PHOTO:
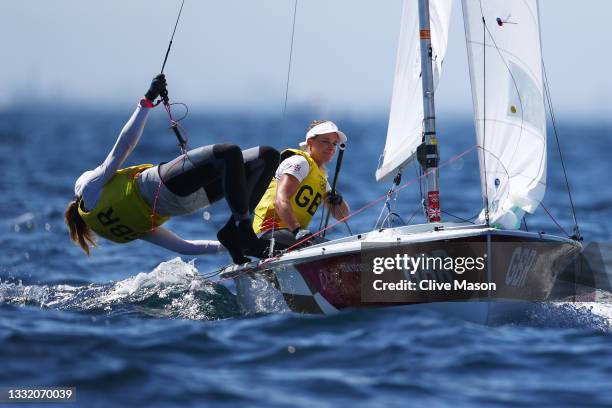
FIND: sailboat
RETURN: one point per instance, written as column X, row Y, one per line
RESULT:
column 510, row 266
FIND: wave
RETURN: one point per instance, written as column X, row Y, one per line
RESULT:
column 593, row 315
column 174, row 289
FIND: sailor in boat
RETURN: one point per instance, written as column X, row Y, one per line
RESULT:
column 124, row 204
column 298, row 188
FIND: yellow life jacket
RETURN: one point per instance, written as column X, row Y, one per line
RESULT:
column 121, row 215
column 304, row 202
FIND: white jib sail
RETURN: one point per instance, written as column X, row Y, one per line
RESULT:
column 507, row 89
column 406, row 116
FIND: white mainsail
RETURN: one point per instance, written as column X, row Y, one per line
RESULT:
column 405, row 129
column 505, row 62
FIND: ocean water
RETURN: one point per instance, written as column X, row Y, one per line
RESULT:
column 135, row 325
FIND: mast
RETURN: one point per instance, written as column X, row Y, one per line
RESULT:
column 427, row 152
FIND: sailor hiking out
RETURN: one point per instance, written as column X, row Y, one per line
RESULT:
column 124, row 204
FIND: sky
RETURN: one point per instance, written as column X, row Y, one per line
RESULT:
column 232, row 55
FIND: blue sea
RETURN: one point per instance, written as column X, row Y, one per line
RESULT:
column 136, row 325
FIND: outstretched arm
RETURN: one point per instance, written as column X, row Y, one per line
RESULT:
column 169, row 240
column 90, row 184
column 126, row 142
column 131, row 132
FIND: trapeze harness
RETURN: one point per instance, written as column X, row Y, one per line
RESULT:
column 121, row 215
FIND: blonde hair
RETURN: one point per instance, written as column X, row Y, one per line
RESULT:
column 312, row 124
column 80, row 233
column 307, row 147
column 315, row 123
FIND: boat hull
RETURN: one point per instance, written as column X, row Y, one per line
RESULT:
column 522, row 267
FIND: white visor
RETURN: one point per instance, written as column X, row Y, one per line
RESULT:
column 322, row 129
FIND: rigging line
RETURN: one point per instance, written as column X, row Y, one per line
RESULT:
column 554, row 220
column 158, row 191
column 272, row 240
column 386, row 205
column 322, row 217
column 484, row 113
column 290, row 58
column 381, row 198
column 554, row 125
column 459, row 218
column 365, row 207
column 382, row 210
column 516, row 87
column 172, row 37
column 272, row 258
column 484, row 44
column 514, row 82
column 176, row 127
column 413, row 214
column 390, row 219
column 473, row 217
column 186, row 110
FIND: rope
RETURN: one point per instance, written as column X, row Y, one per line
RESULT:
column 391, row 195
column 457, row 217
column 514, row 82
column 484, row 112
column 172, row 37
column 554, row 124
column 554, row 220
column 162, row 181
column 175, row 125
column 552, row 116
column 183, row 147
column 414, row 214
column 360, row 210
column 383, row 197
column 290, row 58
column 272, row 239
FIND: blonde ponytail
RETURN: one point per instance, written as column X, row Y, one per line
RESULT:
column 80, row 233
